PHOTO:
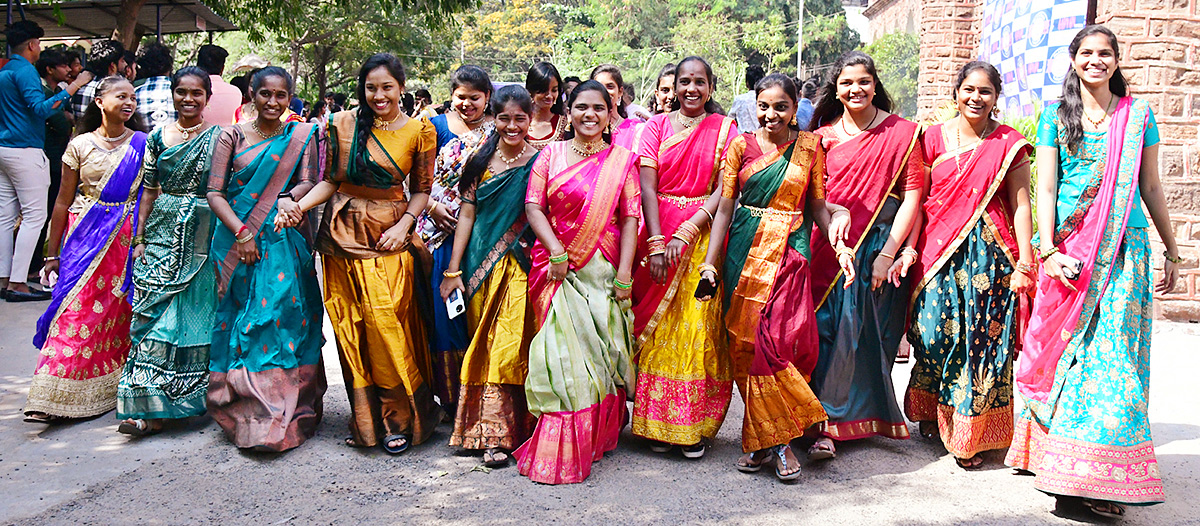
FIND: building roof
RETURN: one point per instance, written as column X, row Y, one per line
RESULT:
column 97, row 18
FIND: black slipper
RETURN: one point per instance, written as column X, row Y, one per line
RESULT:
column 404, row 442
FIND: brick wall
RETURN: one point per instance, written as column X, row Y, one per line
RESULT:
column 893, row 16
column 949, row 35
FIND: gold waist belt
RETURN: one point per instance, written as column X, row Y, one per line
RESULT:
column 683, row 202
column 769, row 212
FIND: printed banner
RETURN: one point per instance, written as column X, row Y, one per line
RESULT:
column 1027, row 41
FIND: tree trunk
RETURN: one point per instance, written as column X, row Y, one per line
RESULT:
column 295, row 59
column 322, row 54
column 126, row 31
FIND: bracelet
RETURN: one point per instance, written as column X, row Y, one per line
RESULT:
column 687, row 232
column 241, row 240
column 1176, row 260
column 409, row 214
column 844, row 250
column 711, row 217
column 910, row 251
column 886, row 255
column 1046, row 255
column 448, row 274
column 238, row 235
column 137, row 240
column 1025, row 268
column 657, row 245
column 285, row 194
column 706, row 267
column 559, row 258
column 50, row 258
column 622, row 284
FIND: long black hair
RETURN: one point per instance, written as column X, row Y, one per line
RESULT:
column 652, row 97
column 365, row 118
column 710, row 105
column 538, row 81
column 783, row 82
column 829, row 106
column 477, row 164
column 614, row 72
column 587, row 85
column 473, row 77
column 1070, row 107
column 192, row 71
column 93, row 115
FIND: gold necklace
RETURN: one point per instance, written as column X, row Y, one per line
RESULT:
column 1103, row 117
column 508, row 162
column 588, row 149
column 957, row 166
column 187, row 132
column 381, row 124
column 688, row 122
column 254, row 126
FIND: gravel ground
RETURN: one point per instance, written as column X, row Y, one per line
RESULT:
column 87, row 473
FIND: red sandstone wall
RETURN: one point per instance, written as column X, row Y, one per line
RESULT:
column 949, row 35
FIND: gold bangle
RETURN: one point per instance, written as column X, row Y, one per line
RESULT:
column 706, row 267
column 910, row 251
column 886, row 255
column 448, row 274
column 559, row 258
column 1025, row 268
column 246, row 239
column 710, row 215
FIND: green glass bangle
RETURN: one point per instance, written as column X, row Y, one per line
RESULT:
column 622, row 286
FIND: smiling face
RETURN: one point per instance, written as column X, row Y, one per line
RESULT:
column 469, row 102
column 692, row 88
column 665, row 92
column 976, row 96
column 117, row 102
column 589, row 115
column 545, row 99
column 855, row 87
column 512, row 124
column 271, row 99
column 1096, row 60
column 610, row 84
column 383, row 93
column 190, row 97
column 775, row 110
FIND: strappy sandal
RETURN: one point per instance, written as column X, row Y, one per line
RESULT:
column 822, row 449
column 490, row 458
column 757, row 458
column 1113, row 511
column 970, row 464
column 781, row 464
column 138, row 427
column 396, row 450
column 41, row 418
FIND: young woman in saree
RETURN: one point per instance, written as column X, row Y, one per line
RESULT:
column 490, row 265
column 663, row 96
column 775, row 175
column 266, row 377
column 544, row 83
column 175, row 290
column 84, row 333
column 583, row 205
column 874, row 168
column 460, row 133
column 684, row 383
column 623, row 128
column 972, row 260
column 378, row 178
column 1084, row 371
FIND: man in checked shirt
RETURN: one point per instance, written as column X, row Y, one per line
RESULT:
column 154, row 99
column 106, row 58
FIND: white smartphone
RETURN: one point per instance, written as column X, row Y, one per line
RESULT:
column 455, row 305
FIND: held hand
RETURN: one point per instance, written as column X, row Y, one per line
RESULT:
column 839, row 227
column 879, row 271
column 248, row 252
column 1054, row 268
column 675, row 249
column 290, row 210
column 1021, row 283
column 50, row 266
column 658, row 268
column 846, row 261
column 899, row 269
column 711, row 278
column 1164, row 285
column 138, row 251
column 397, row 237
column 450, row 285
column 442, row 217
column 558, row 271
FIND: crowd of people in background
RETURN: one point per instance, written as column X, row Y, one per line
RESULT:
column 523, row 262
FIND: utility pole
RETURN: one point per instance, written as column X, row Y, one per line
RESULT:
column 800, row 40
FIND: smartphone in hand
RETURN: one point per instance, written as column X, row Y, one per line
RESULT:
column 705, row 289
column 455, row 305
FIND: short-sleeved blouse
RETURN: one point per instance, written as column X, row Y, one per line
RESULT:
column 92, row 162
column 553, row 160
column 234, row 153
column 1075, row 171
column 746, row 149
column 914, row 171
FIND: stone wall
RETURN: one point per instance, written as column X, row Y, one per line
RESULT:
column 1182, row 303
column 892, row 16
column 949, row 35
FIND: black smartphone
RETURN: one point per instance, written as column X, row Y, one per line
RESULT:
column 705, row 289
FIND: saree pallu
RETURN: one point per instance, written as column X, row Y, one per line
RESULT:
column 84, row 333
column 684, row 380
column 448, row 338
column 772, row 331
column 1084, row 372
column 964, row 326
column 492, row 411
column 175, row 295
column 266, row 376
column 376, row 300
column 861, row 329
column 579, row 360
column 628, row 134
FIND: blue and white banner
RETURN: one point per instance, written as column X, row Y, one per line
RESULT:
column 1027, row 41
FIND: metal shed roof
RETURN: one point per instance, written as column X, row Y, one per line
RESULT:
column 97, row 18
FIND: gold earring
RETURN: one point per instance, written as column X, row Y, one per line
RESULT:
column 794, row 121
column 995, row 111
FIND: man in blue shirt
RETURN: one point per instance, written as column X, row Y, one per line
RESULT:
column 24, row 169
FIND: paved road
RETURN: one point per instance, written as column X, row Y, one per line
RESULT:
column 87, row 473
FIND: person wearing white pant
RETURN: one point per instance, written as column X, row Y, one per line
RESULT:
column 24, row 170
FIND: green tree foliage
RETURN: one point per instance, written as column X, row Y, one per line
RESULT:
column 826, row 33
column 896, row 58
